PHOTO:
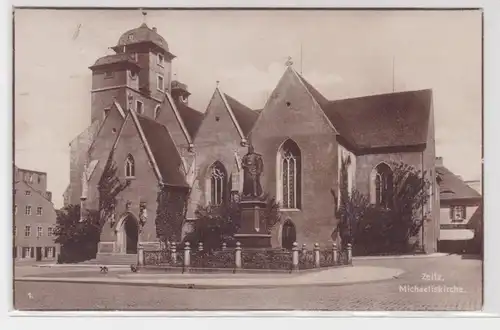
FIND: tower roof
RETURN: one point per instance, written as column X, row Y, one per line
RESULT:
column 143, row 34
column 123, row 58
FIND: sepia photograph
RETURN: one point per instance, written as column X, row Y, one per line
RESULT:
column 247, row 160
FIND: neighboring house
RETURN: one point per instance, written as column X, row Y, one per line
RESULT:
column 142, row 120
column 459, row 203
column 34, row 217
column 475, row 184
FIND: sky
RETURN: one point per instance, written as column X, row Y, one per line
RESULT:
column 342, row 53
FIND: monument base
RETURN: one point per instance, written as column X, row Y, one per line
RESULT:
column 258, row 241
column 253, row 230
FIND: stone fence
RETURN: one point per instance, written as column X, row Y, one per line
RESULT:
column 238, row 258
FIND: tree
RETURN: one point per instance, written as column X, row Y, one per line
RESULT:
column 170, row 213
column 78, row 238
column 374, row 229
column 350, row 207
column 216, row 224
column 410, row 194
column 272, row 213
column 110, row 186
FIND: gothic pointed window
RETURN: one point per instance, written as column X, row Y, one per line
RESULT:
column 289, row 179
column 129, row 167
column 218, row 179
column 383, row 185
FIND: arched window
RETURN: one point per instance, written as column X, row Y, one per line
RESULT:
column 289, row 175
column 218, row 179
column 157, row 111
column 129, row 167
column 383, row 185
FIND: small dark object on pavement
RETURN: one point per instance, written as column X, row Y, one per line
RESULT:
column 104, row 269
column 133, row 268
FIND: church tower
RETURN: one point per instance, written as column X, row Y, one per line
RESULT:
column 137, row 76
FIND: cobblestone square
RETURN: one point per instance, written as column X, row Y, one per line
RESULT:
column 459, row 277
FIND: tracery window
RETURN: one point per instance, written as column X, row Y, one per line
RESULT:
column 289, row 175
column 383, row 185
column 129, row 167
column 218, row 179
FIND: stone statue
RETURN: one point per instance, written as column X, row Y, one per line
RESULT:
column 253, row 166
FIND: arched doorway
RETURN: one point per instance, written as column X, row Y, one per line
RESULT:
column 127, row 235
column 288, row 234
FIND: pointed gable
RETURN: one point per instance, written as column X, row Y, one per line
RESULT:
column 219, row 124
column 294, row 102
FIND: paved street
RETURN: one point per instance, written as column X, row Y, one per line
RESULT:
column 450, row 273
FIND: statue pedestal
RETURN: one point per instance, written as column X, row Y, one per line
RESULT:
column 253, row 230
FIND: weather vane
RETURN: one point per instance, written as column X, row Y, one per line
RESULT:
column 289, row 61
column 144, row 14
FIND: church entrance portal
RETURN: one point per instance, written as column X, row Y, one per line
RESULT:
column 288, row 235
column 131, row 231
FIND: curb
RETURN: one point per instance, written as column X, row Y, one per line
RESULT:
column 82, row 266
column 412, row 256
column 198, row 286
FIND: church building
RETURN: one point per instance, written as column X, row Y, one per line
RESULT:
column 141, row 118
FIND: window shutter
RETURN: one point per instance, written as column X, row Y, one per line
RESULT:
column 465, row 212
column 54, row 252
column 32, row 252
column 451, row 212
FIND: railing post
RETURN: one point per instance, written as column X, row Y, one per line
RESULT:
column 224, row 246
column 173, row 248
column 295, row 257
column 304, row 248
column 237, row 255
column 140, row 256
column 349, row 253
column 335, row 254
column 187, row 256
column 316, row 256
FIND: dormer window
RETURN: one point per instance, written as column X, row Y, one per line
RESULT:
column 133, row 74
column 130, row 37
column 160, row 59
column 139, row 107
column 160, row 85
column 129, row 167
column 135, row 56
column 108, row 74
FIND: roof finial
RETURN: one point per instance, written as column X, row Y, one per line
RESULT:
column 289, row 61
column 217, row 83
column 144, row 14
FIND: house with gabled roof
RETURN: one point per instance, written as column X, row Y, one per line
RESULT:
column 460, row 211
column 142, row 119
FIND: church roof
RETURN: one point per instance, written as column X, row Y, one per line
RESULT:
column 385, row 120
column 143, row 34
column 192, row 118
column 115, row 59
column 245, row 116
column 164, row 151
column 452, row 188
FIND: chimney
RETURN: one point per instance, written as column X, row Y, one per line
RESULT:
column 439, row 161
